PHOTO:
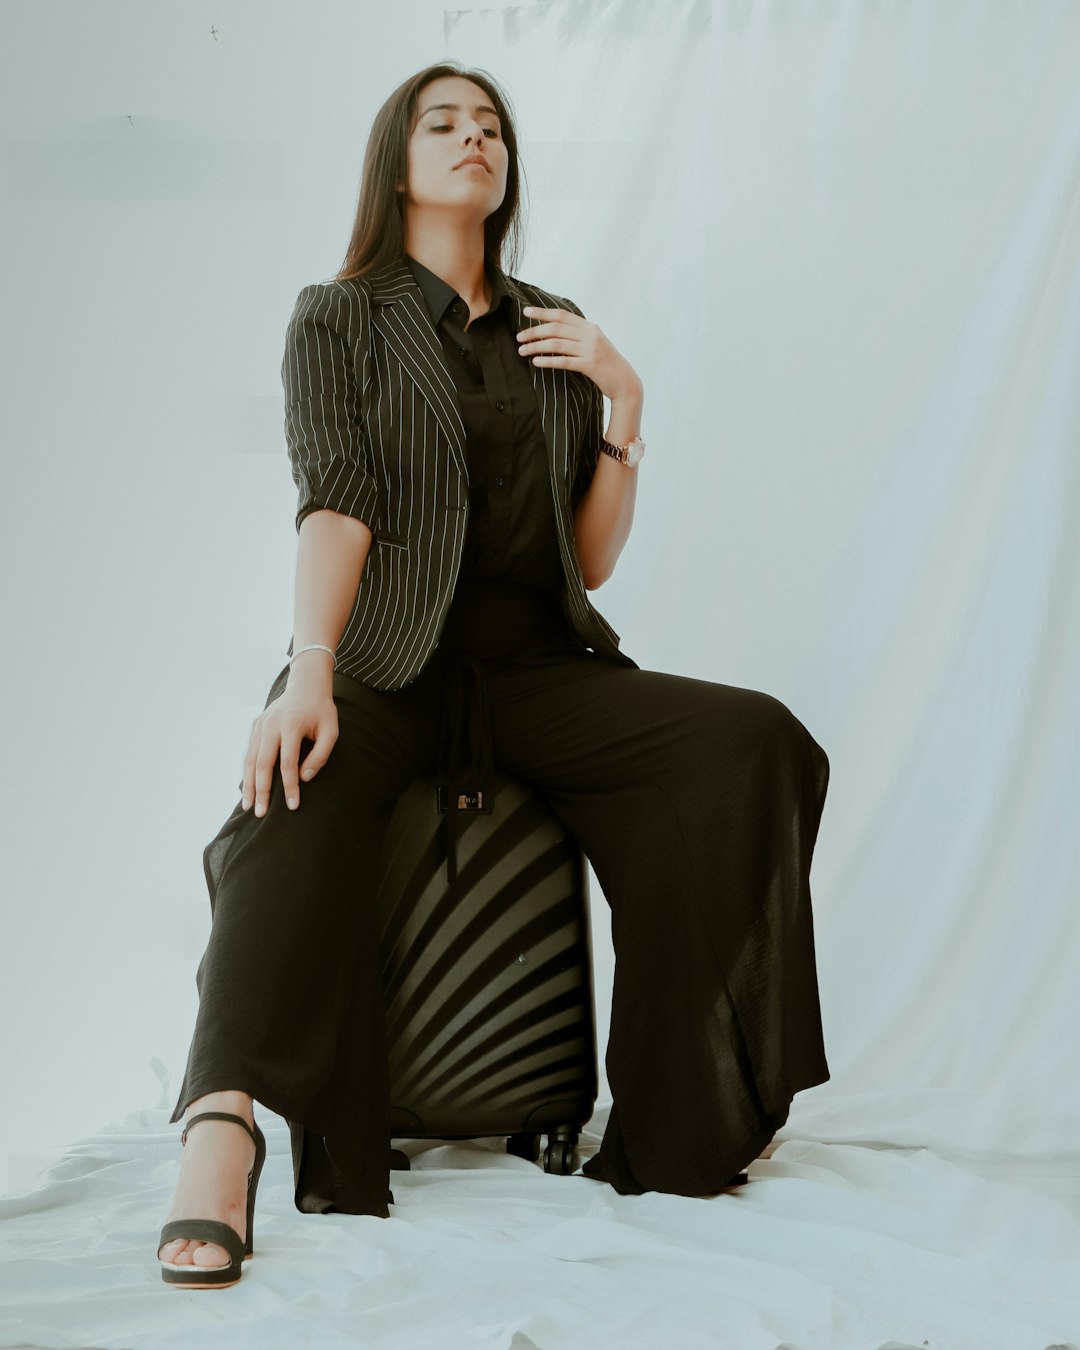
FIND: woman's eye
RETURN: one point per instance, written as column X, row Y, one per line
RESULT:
column 488, row 131
column 441, row 128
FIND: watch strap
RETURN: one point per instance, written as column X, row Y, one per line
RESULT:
column 622, row 452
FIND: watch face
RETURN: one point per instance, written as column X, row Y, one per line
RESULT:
column 634, row 451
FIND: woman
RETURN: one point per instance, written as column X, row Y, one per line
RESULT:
column 459, row 495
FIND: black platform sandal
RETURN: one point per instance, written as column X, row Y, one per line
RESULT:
column 213, row 1230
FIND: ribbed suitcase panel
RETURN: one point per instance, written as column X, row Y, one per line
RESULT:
column 487, row 981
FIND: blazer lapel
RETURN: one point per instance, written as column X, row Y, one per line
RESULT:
column 399, row 313
column 550, row 395
column 550, row 386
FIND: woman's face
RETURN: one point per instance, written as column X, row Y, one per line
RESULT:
column 456, row 121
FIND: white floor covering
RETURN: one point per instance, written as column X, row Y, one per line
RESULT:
column 831, row 1246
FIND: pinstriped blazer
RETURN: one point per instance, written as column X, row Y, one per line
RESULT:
column 374, row 430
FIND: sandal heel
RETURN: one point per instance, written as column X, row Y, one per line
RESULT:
column 253, row 1186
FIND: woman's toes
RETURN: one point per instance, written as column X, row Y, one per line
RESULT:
column 209, row 1254
column 191, row 1252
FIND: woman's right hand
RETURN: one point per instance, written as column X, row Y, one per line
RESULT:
column 300, row 710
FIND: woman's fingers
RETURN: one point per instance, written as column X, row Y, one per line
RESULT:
column 546, row 333
column 553, row 347
column 563, row 340
column 265, row 762
column 571, row 342
column 326, row 734
column 277, row 734
column 290, row 754
column 542, row 346
column 539, row 312
column 551, row 323
column 247, row 790
column 553, row 329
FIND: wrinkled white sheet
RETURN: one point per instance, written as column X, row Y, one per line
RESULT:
column 829, row 1247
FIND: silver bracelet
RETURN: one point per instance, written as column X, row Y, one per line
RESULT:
column 312, row 647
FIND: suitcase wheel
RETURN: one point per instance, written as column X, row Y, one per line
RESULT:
column 559, row 1156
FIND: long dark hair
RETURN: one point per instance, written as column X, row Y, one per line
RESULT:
column 378, row 233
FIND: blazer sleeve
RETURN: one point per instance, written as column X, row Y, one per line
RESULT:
column 327, row 444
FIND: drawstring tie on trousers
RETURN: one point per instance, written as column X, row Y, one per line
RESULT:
column 466, row 760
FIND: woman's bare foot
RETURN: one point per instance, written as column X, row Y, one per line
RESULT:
column 214, row 1167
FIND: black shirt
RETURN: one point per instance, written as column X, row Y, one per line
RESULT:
column 511, row 574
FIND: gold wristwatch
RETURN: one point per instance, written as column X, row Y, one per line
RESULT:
column 630, row 455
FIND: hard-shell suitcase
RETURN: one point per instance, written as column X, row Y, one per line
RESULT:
column 487, row 974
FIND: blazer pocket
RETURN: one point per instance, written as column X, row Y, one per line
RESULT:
column 394, row 540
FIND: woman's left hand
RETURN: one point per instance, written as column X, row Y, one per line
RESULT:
column 569, row 342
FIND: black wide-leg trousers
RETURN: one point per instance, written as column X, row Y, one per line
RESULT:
column 698, row 806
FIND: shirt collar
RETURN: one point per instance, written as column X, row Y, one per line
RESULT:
column 439, row 294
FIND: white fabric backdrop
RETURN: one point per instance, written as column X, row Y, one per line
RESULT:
column 840, row 243
column 842, row 248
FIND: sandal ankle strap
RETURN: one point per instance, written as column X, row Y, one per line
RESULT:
column 218, row 1115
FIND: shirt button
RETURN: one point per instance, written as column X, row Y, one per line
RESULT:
column 499, row 405
column 499, row 482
